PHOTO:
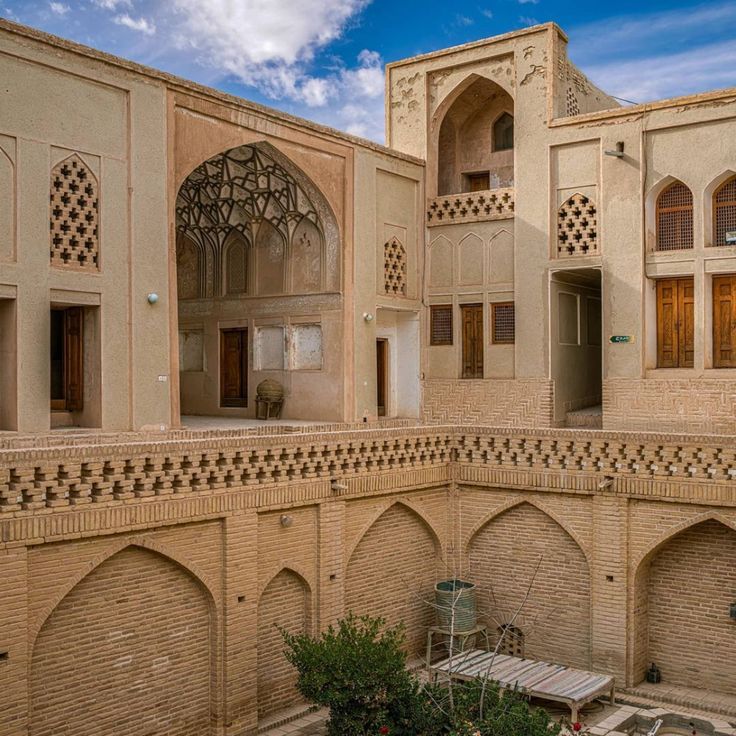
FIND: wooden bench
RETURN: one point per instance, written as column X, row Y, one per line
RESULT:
column 537, row 679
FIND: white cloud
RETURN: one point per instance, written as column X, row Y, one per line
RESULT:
column 59, row 8
column 136, row 24
column 527, row 20
column 113, row 4
column 487, row 13
column 708, row 67
column 528, row 2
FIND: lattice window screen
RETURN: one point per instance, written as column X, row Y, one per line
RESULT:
column 503, row 323
column 675, row 218
column 513, row 640
column 571, row 102
column 440, row 324
column 577, row 227
column 237, row 268
column 724, row 211
column 394, row 268
column 74, row 221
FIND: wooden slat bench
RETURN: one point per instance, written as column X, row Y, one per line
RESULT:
column 531, row 677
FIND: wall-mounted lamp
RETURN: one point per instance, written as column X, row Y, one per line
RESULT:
column 618, row 152
column 152, row 297
column 336, row 487
column 367, row 316
column 286, row 520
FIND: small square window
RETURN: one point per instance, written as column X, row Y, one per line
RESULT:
column 503, row 322
column 440, row 324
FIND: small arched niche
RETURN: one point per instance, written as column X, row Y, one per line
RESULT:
column 475, row 147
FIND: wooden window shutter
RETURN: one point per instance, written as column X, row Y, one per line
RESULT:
column 74, row 357
column 724, row 321
column 675, row 323
column 440, row 324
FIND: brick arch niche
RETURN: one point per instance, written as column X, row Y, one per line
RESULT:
column 682, row 596
column 392, row 572
column 127, row 651
column 503, row 555
column 285, row 603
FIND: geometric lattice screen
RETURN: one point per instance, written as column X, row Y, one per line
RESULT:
column 394, row 268
column 724, row 204
column 74, row 215
column 675, row 218
column 577, row 227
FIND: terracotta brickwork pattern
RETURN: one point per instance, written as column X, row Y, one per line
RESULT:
column 517, row 403
column 695, row 405
column 96, row 669
column 392, row 571
column 692, row 583
column 504, row 556
column 494, row 204
column 284, row 603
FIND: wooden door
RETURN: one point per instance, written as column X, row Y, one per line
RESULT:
column 675, row 323
column 724, row 321
column 472, row 330
column 234, row 367
column 67, row 359
column 381, row 376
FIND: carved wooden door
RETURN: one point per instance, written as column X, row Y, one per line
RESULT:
column 233, row 367
column 675, row 323
column 472, row 327
column 724, row 321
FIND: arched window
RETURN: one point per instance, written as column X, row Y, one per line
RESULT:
column 236, row 265
column 724, row 211
column 503, row 133
column 675, row 217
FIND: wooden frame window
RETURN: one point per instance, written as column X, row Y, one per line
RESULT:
column 675, row 218
column 724, row 321
column 724, row 211
column 234, row 367
column 67, row 359
column 440, row 324
column 503, row 132
column 478, row 182
column 675, row 323
column 503, row 323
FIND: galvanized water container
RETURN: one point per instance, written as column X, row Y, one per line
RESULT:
column 460, row 595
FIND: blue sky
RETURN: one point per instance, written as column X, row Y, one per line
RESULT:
column 323, row 59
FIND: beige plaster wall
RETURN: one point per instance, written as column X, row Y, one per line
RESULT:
column 56, row 104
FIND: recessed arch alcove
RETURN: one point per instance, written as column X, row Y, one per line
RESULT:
column 475, row 138
column 259, row 287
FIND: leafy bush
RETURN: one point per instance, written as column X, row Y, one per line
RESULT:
column 358, row 670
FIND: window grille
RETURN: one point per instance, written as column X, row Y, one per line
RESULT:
column 512, row 643
column 74, row 215
column 237, row 267
column 503, row 318
column 675, row 218
column 503, row 133
column 577, row 227
column 394, row 268
column 724, row 211
column 440, row 324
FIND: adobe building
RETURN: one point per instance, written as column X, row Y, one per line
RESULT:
column 508, row 335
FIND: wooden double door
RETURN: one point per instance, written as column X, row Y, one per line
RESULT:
column 724, row 321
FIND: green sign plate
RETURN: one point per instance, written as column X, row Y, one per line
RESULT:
column 622, row 338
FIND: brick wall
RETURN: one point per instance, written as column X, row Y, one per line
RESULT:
column 695, row 405
column 502, row 558
column 284, row 603
column 498, row 402
column 692, row 583
column 127, row 651
column 392, row 571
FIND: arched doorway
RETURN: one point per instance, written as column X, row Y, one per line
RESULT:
column 258, row 281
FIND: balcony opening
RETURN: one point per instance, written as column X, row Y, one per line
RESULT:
column 576, row 347
column 476, row 141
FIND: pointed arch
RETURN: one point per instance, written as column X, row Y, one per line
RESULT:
column 144, row 543
column 503, row 131
column 721, row 208
column 381, row 510
column 236, row 264
column 291, row 567
column 513, row 503
column 674, row 217
column 441, row 267
column 673, row 531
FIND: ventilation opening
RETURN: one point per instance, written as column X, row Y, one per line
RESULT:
column 512, row 640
